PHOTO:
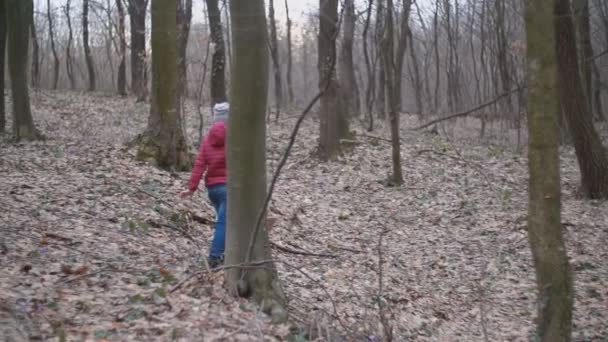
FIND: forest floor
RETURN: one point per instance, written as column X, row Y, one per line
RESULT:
column 95, row 245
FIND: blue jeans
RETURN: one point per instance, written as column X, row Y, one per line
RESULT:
column 217, row 196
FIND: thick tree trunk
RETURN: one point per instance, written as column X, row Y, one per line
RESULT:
column 348, row 81
column 184, row 19
column 69, row 63
column 163, row 144
column 56, row 63
column 2, row 63
column 19, row 18
column 137, row 20
column 393, row 72
column 590, row 153
column 554, row 282
column 122, row 41
column 246, row 156
column 276, row 63
column 218, row 60
column 334, row 125
column 85, row 43
column 289, row 57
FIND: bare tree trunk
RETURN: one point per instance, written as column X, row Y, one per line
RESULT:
column 401, row 48
column 246, row 157
column 228, row 41
column 348, row 80
column 276, row 64
column 122, row 51
column 436, row 46
column 371, row 74
column 137, row 19
column 388, row 54
column 35, row 56
column 382, row 67
column 289, row 57
column 85, row 42
column 163, row 144
column 590, row 153
column 69, row 63
column 331, row 111
column 2, row 64
column 553, row 277
column 415, row 71
column 218, row 60
column 19, row 18
column 581, row 8
column 502, row 54
column 56, row 64
column 184, row 19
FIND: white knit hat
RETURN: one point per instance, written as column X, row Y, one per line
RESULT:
column 220, row 111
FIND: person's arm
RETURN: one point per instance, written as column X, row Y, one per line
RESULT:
column 198, row 169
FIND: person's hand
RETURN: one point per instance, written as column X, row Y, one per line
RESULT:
column 186, row 193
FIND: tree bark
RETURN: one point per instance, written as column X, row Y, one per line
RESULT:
column 370, row 68
column 184, row 19
column 56, row 63
column 163, row 144
column 218, row 60
column 289, row 57
column 246, row 157
column 35, row 55
column 381, row 85
column 553, row 277
column 348, row 81
column 590, row 153
column 401, row 48
column 69, row 63
column 137, row 20
column 85, row 43
column 2, row 63
column 19, row 18
column 333, row 124
column 581, row 8
column 276, row 63
column 393, row 72
column 122, row 50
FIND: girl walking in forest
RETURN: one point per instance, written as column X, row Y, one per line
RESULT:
column 211, row 161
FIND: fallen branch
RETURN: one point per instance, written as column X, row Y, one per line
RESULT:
column 304, row 253
column 468, row 111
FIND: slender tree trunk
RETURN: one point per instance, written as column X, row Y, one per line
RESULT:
column 218, row 60
column 382, row 68
column 401, row 48
column 163, row 144
column 276, row 63
column 416, row 80
column 553, row 277
column 246, row 157
column 137, row 20
column 502, row 55
column 85, row 43
column 590, row 153
column 228, row 40
column 388, row 54
column 19, row 18
column 289, row 57
column 331, row 111
column 56, row 63
column 437, row 60
column 2, row 63
column 371, row 74
column 122, row 51
column 35, row 56
column 348, row 80
column 184, row 19
column 69, row 63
